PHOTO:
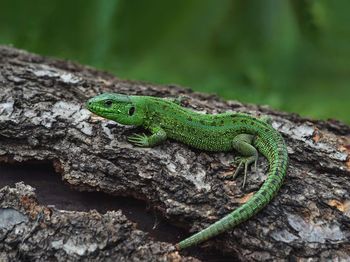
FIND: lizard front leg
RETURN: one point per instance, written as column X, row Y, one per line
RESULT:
column 142, row 140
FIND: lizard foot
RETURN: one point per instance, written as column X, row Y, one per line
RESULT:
column 244, row 161
column 139, row 140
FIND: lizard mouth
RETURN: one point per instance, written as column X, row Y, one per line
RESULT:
column 98, row 110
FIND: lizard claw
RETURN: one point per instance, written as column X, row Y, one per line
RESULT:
column 236, row 160
column 140, row 140
column 244, row 161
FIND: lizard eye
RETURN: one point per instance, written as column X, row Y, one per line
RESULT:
column 131, row 111
column 108, row 103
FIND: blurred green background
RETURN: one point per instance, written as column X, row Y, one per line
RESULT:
column 292, row 55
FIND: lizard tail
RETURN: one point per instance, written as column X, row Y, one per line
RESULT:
column 275, row 151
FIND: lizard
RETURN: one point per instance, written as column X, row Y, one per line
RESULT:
column 165, row 118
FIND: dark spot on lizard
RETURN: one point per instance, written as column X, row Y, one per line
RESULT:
column 283, row 162
column 275, row 181
column 276, row 172
column 236, row 120
column 264, row 193
column 192, row 130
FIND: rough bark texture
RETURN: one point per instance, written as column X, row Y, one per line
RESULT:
column 30, row 231
column 42, row 117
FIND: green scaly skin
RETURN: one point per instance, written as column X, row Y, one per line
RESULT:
column 165, row 118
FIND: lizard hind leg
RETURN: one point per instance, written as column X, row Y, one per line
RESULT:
column 248, row 154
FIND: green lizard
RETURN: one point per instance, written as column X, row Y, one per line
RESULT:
column 165, row 118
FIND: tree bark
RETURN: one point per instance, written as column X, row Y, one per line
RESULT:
column 42, row 117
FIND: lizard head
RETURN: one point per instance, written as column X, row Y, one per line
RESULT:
column 123, row 109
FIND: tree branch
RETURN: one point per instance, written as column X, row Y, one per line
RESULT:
column 42, row 117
